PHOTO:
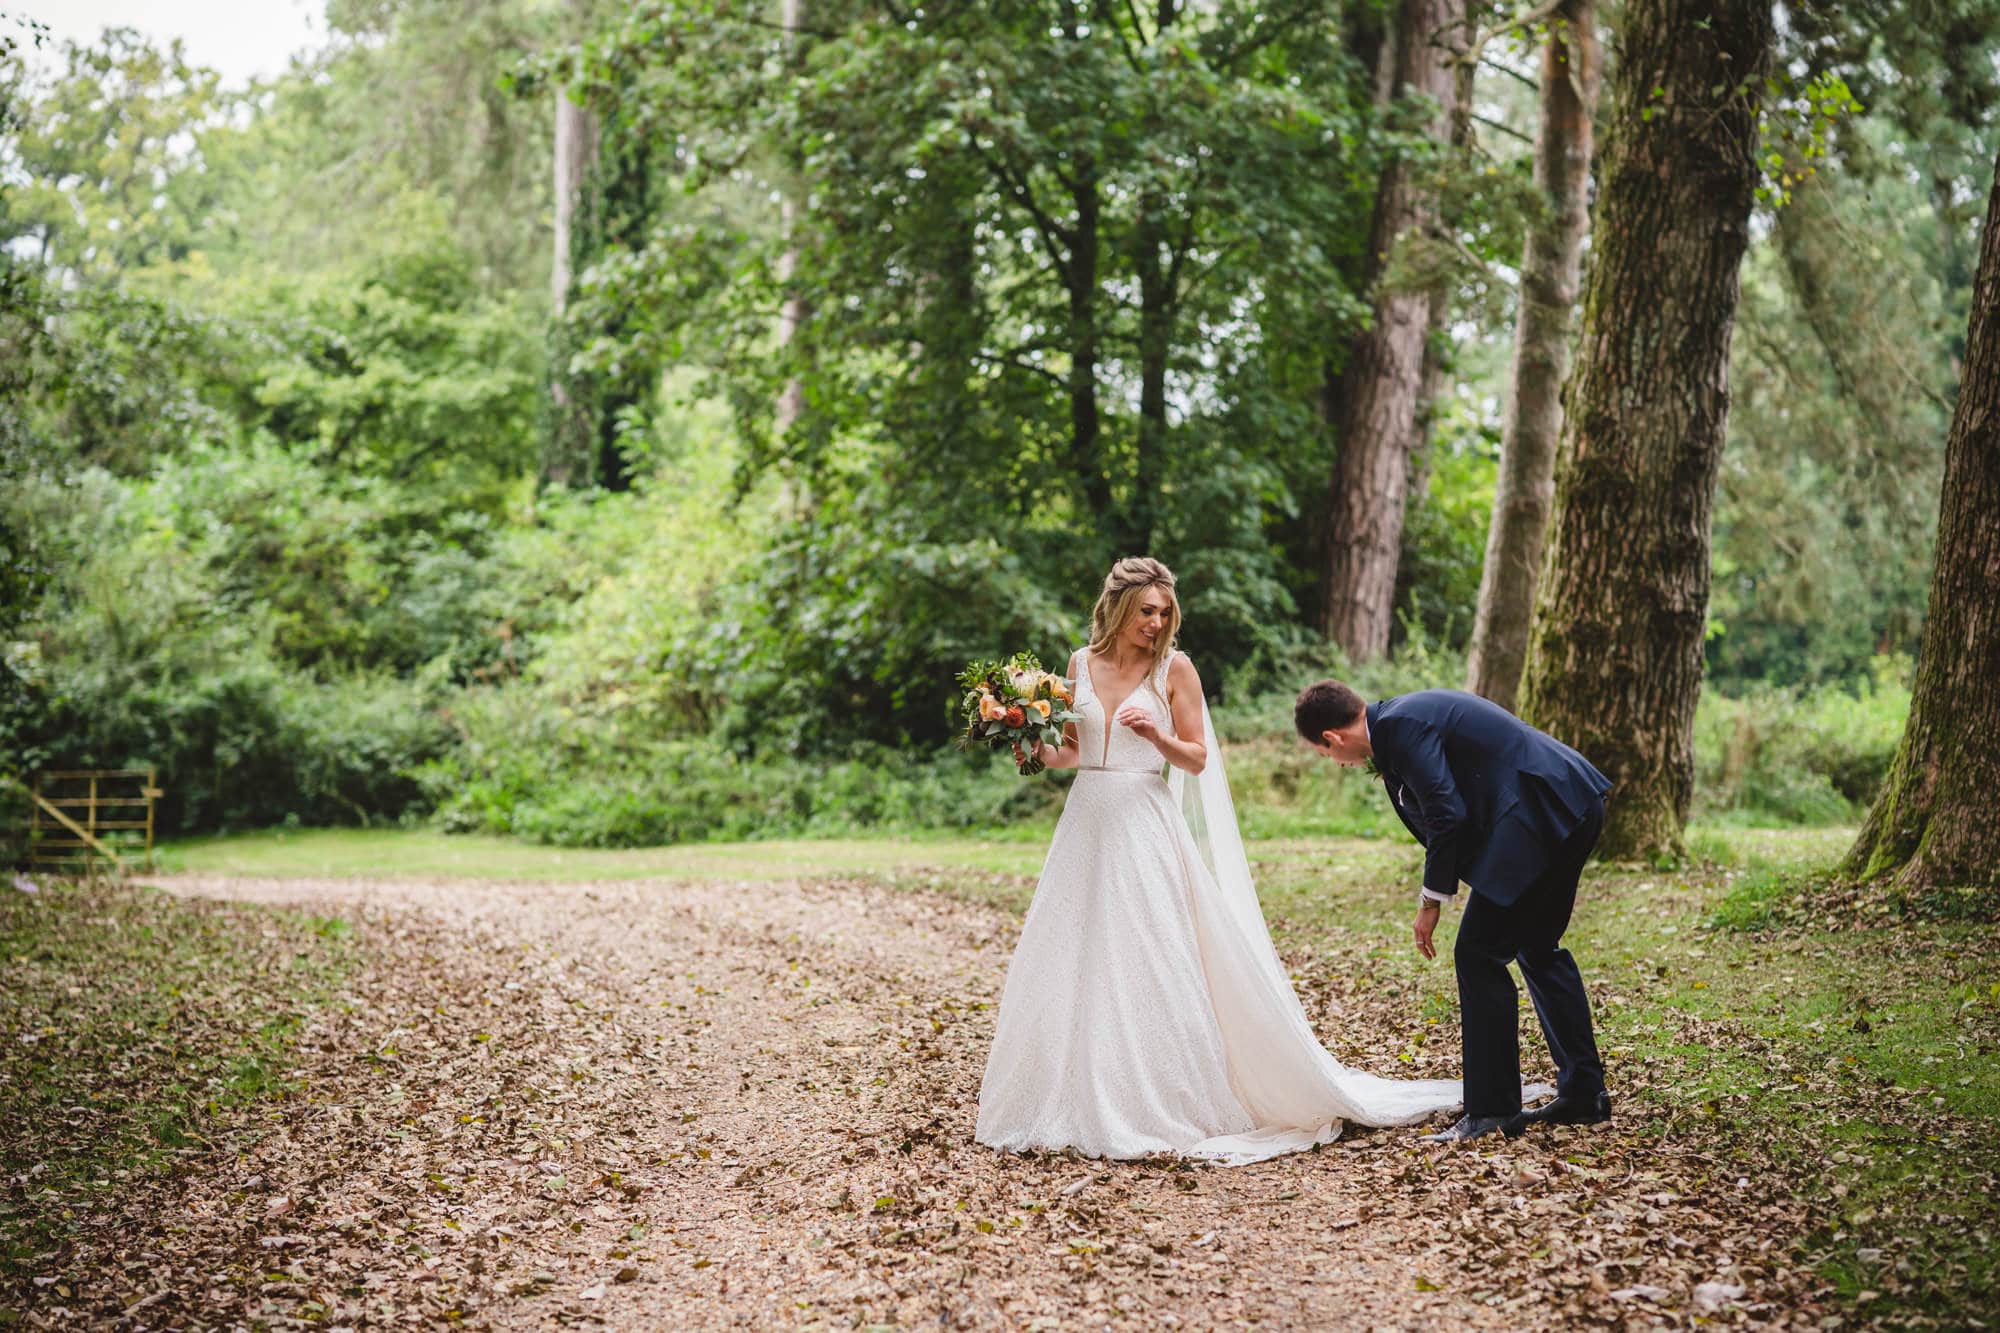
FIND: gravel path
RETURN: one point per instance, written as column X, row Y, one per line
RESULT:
column 716, row 1105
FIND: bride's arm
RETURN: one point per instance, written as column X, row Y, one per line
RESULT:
column 1068, row 754
column 1060, row 756
column 1184, row 697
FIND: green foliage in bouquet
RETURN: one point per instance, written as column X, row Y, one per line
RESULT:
column 1015, row 703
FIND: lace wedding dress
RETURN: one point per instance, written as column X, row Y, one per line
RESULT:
column 1145, row 1010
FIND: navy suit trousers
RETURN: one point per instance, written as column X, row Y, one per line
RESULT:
column 1528, row 931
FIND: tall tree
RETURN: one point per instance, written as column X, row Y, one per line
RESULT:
column 572, row 423
column 1551, row 266
column 792, row 313
column 1374, row 405
column 1039, row 335
column 1615, row 653
column 1933, row 822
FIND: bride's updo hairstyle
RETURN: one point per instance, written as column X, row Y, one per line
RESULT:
column 1125, row 587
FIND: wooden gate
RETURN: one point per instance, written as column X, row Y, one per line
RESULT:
column 84, row 820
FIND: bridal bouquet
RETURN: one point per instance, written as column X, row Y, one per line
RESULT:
column 1015, row 703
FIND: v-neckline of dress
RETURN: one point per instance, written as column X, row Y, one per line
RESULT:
column 1110, row 714
column 1088, row 658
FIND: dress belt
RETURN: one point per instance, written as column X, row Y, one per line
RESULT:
column 1111, row 768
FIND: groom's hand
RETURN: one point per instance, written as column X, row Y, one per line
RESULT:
column 1427, row 920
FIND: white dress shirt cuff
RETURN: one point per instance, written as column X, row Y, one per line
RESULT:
column 1433, row 896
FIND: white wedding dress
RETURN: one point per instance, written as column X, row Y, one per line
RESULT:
column 1145, row 1010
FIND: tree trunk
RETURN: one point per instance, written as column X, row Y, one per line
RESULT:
column 1934, row 824
column 575, row 143
column 1155, row 343
column 1086, row 429
column 1376, row 403
column 1157, row 282
column 792, row 314
column 572, row 442
column 1615, row 652
column 1551, row 265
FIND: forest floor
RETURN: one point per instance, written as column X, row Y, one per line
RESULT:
column 709, row 1098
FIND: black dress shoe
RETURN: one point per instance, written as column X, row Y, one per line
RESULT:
column 1571, row 1111
column 1474, row 1127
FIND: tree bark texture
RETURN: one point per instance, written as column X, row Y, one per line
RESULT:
column 1615, row 652
column 1159, row 281
column 1934, row 823
column 1377, row 400
column 1551, row 267
column 575, row 146
column 569, row 450
column 792, row 314
column 1086, row 425
column 1156, row 329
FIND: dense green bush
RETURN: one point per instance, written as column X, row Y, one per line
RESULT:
column 144, row 653
column 1799, row 756
column 529, row 768
column 530, row 765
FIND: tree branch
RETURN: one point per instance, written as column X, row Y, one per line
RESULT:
column 1124, row 42
column 1526, row 18
column 1257, row 41
column 754, row 22
column 1055, row 237
column 1015, row 364
column 1508, row 130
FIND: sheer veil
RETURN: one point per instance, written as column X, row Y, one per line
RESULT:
column 1296, row 1091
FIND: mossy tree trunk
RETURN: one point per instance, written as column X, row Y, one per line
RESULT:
column 1935, row 822
column 1551, row 268
column 1615, row 652
column 1376, row 401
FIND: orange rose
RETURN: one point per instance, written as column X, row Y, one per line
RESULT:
column 1042, row 707
column 1015, row 717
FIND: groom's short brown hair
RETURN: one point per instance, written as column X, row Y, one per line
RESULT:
column 1323, row 706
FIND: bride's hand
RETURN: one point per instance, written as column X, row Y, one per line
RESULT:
column 1140, row 721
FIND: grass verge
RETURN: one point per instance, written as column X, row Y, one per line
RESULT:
column 134, row 1026
column 424, row 854
column 1757, row 1018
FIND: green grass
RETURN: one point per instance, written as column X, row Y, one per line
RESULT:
column 422, row 854
column 132, row 1026
column 1845, row 1042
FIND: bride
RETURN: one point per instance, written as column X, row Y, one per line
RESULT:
column 1145, row 1009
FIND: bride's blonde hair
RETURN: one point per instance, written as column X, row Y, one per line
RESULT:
column 1118, row 606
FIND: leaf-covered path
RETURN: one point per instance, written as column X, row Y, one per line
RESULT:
column 708, row 1105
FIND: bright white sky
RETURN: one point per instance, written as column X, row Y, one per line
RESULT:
column 241, row 38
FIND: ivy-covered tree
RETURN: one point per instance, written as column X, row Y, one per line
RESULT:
column 1933, row 823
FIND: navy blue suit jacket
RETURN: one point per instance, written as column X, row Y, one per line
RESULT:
column 1488, row 796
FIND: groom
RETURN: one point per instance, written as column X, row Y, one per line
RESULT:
column 1514, row 813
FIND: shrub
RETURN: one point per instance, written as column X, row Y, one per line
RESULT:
column 539, row 771
column 1787, row 756
column 140, row 658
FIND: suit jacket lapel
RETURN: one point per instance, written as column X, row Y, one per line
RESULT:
column 1392, row 782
